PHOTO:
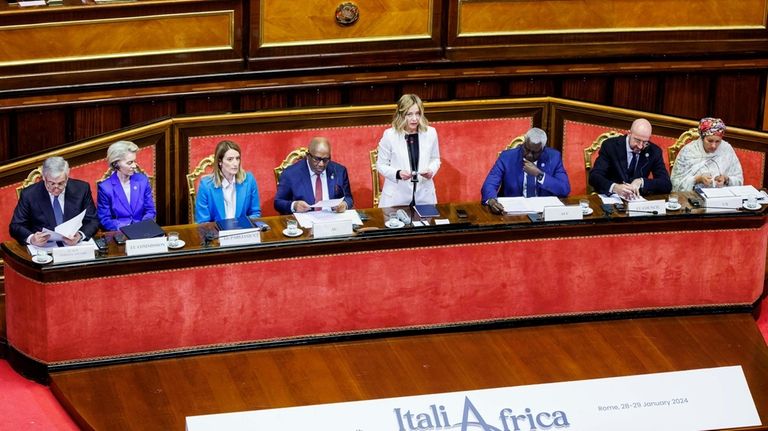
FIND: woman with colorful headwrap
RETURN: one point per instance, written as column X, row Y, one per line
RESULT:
column 708, row 161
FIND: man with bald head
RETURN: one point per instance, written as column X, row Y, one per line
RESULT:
column 631, row 165
column 318, row 178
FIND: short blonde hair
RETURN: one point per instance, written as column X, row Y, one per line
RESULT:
column 405, row 103
column 118, row 150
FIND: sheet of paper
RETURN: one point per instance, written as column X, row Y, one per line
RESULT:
column 308, row 219
column 715, row 192
column 328, row 203
column 439, row 221
column 744, row 191
column 32, row 3
column 610, row 200
column 70, row 227
column 520, row 205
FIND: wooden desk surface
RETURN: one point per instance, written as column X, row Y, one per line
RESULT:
column 480, row 225
column 160, row 394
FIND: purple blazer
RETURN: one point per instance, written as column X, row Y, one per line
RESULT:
column 113, row 208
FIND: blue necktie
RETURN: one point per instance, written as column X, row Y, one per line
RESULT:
column 632, row 167
column 530, row 186
column 58, row 214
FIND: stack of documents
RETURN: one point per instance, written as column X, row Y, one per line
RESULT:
column 520, row 205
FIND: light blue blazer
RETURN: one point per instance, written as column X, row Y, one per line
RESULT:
column 209, row 205
column 113, row 208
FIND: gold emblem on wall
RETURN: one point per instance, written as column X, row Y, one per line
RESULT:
column 347, row 14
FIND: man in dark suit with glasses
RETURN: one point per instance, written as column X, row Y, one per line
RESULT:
column 319, row 178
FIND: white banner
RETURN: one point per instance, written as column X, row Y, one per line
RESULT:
column 713, row 398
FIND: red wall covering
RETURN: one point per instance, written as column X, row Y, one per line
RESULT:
column 368, row 291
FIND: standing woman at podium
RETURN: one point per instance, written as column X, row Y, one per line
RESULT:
column 229, row 192
column 409, row 156
column 125, row 197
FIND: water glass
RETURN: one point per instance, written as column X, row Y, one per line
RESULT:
column 672, row 200
column 751, row 201
column 173, row 239
column 584, row 204
column 293, row 227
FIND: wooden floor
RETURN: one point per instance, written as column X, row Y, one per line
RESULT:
column 158, row 395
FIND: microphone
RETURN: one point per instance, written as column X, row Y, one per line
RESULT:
column 654, row 212
column 208, row 238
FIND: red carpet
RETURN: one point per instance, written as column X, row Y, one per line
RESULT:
column 25, row 405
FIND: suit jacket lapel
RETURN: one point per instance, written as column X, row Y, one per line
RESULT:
column 136, row 198
column 44, row 200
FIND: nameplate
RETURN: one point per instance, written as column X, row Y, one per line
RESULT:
column 328, row 229
column 646, row 208
column 723, row 204
column 703, row 399
column 559, row 213
column 75, row 253
column 228, row 238
column 137, row 247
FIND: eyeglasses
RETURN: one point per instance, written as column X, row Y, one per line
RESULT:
column 56, row 185
column 320, row 159
column 640, row 141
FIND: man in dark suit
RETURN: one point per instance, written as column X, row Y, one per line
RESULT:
column 52, row 201
column 532, row 169
column 304, row 183
column 631, row 165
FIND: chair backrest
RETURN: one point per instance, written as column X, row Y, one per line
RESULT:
column 292, row 157
column 192, row 178
column 151, row 178
column 687, row 137
column 513, row 144
column 590, row 150
column 34, row 176
column 375, row 179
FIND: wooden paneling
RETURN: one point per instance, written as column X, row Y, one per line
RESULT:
column 263, row 100
column 372, row 94
column 533, row 86
column 316, row 97
column 214, row 103
column 5, row 137
column 736, row 100
column 431, row 91
column 139, row 112
column 477, row 89
column 483, row 17
column 94, row 120
column 40, row 130
column 636, row 92
column 686, row 96
column 315, row 22
column 588, row 88
column 127, row 36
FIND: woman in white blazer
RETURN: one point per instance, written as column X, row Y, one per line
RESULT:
column 394, row 162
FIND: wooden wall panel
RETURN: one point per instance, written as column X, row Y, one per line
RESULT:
column 736, row 100
column 533, row 86
column 686, row 96
column 209, row 104
column 40, row 130
column 95, row 120
column 427, row 91
column 316, row 97
column 263, row 100
column 140, row 112
column 372, row 94
column 587, row 88
column 5, row 137
column 477, row 89
column 483, row 17
column 636, row 92
column 281, row 23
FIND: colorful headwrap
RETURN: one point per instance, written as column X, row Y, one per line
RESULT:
column 711, row 126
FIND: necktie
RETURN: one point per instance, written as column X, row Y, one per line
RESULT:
column 58, row 214
column 632, row 167
column 318, row 191
column 530, row 186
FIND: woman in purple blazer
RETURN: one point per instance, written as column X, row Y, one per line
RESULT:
column 126, row 196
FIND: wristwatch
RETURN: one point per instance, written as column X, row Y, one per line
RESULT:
column 540, row 177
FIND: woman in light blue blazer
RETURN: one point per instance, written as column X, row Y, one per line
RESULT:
column 229, row 192
column 126, row 196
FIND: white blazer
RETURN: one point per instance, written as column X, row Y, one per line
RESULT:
column 393, row 156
